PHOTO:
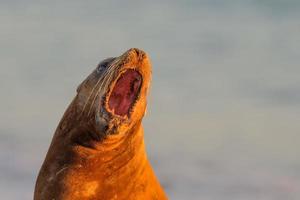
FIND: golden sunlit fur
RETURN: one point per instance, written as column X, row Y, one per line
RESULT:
column 96, row 154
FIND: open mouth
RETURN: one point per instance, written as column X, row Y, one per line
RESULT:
column 125, row 92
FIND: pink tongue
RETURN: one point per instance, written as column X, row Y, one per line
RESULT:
column 125, row 92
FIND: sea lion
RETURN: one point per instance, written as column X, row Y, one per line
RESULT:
column 97, row 151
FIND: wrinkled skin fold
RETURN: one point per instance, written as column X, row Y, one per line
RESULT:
column 98, row 150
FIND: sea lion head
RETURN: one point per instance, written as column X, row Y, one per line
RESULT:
column 112, row 99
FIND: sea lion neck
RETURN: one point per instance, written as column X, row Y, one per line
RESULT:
column 114, row 148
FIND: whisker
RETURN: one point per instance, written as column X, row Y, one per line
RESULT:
column 91, row 93
column 86, row 102
column 106, row 80
column 94, row 99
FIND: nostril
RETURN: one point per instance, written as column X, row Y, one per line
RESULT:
column 139, row 53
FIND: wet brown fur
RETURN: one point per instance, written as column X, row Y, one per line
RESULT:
column 95, row 154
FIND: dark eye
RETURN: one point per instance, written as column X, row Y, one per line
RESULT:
column 101, row 67
column 104, row 64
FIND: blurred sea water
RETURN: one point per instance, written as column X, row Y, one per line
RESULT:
column 224, row 109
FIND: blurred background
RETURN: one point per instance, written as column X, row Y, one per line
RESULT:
column 224, row 109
